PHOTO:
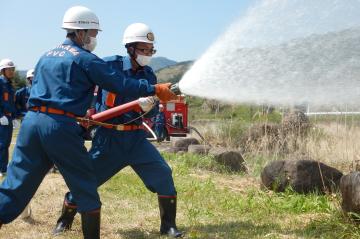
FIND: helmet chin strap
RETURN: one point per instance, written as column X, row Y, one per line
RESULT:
column 132, row 55
column 78, row 36
column 137, row 63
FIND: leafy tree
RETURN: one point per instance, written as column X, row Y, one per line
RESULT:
column 18, row 81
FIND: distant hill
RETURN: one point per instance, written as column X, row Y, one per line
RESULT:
column 161, row 62
column 173, row 73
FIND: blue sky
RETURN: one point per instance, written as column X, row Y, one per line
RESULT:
column 183, row 29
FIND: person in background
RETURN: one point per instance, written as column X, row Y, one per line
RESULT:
column 22, row 94
column 62, row 89
column 115, row 147
column 7, row 111
column 160, row 124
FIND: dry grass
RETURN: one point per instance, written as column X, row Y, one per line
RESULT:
column 122, row 217
column 128, row 211
column 338, row 144
column 212, row 204
column 45, row 208
column 333, row 143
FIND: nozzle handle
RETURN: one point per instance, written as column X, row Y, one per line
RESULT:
column 175, row 89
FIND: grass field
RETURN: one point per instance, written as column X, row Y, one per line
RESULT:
column 212, row 203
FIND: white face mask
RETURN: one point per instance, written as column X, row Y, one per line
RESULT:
column 91, row 45
column 143, row 60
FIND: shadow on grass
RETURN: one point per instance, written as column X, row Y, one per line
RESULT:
column 31, row 221
column 247, row 229
column 336, row 226
column 136, row 233
column 222, row 230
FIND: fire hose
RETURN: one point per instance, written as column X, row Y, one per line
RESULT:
column 99, row 118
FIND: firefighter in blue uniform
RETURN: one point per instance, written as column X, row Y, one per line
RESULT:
column 160, row 124
column 112, row 149
column 21, row 101
column 62, row 89
column 22, row 94
column 7, row 111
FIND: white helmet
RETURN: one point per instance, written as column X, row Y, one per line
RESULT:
column 138, row 32
column 30, row 73
column 80, row 17
column 6, row 63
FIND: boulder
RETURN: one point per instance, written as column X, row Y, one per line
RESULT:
column 184, row 143
column 296, row 122
column 274, row 177
column 231, row 159
column 262, row 137
column 199, row 149
column 350, row 188
column 173, row 150
column 284, row 137
column 303, row 176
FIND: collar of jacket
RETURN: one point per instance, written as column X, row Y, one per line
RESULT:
column 4, row 80
column 126, row 63
column 68, row 41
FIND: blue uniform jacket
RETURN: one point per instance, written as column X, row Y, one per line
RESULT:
column 7, row 99
column 21, row 99
column 123, row 64
column 65, row 78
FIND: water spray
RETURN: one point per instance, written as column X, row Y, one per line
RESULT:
column 284, row 53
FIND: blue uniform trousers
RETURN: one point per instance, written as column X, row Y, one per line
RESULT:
column 44, row 140
column 113, row 150
column 159, row 130
column 5, row 140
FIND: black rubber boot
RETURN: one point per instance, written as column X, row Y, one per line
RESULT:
column 167, row 205
column 90, row 222
column 67, row 217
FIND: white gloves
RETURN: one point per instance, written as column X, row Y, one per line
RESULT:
column 146, row 103
column 4, row 120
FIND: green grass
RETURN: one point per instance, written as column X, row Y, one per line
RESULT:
column 213, row 203
column 188, row 162
column 242, row 113
column 340, row 119
column 209, row 208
